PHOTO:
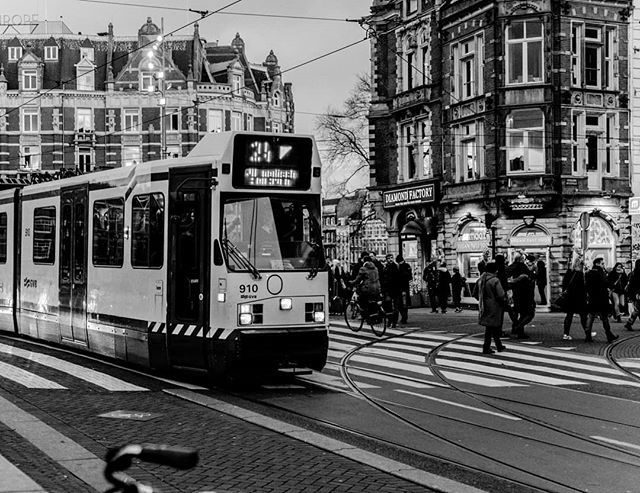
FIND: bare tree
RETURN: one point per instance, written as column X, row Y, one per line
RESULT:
column 345, row 137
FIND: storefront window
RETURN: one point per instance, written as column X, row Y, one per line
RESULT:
column 474, row 239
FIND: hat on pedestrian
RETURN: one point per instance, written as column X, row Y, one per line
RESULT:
column 399, row 258
column 531, row 258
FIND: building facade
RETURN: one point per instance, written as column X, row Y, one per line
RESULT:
column 72, row 101
column 510, row 121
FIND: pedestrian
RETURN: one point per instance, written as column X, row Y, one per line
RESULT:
column 457, row 284
column 444, row 287
column 573, row 284
column 486, row 255
column 502, row 276
column 541, row 281
column 490, row 297
column 430, row 276
column 523, row 285
column 633, row 294
column 379, row 265
column 406, row 276
column 337, row 280
column 617, row 280
column 598, row 299
column 391, row 288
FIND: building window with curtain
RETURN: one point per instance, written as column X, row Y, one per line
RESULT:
column 30, row 120
column 84, row 120
column 215, row 121
column 29, row 80
column 594, row 56
column 524, row 52
column 525, row 141
column 409, row 169
column 131, row 123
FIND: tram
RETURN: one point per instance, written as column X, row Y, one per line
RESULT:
column 208, row 262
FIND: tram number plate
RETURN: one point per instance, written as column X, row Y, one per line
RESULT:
column 248, row 291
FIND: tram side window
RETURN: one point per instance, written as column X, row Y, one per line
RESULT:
column 44, row 235
column 3, row 237
column 108, row 232
column 147, row 231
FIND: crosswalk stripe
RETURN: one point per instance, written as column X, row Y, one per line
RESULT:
column 26, row 378
column 384, row 352
column 601, row 368
column 88, row 375
column 15, row 481
column 518, row 375
column 388, row 378
column 481, row 381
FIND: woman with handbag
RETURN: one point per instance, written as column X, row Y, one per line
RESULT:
column 575, row 297
column 618, row 280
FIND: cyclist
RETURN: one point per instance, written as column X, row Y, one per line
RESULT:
column 367, row 284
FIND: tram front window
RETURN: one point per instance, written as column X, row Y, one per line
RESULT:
column 273, row 233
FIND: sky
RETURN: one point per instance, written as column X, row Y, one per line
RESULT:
column 316, row 87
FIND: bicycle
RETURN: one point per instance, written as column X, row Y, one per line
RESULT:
column 120, row 458
column 377, row 318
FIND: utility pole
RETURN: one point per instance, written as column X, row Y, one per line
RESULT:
column 157, row 50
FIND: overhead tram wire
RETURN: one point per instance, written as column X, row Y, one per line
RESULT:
column 124, row 55
column 250, row 14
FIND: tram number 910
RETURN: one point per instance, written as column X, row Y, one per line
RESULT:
column 248, row 288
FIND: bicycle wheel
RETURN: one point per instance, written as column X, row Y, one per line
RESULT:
column 378, row 322
column 352, row 316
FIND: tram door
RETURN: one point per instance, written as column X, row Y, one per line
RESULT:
column 188, row 284
column 73, row 264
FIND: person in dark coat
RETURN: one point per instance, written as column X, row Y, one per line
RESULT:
column 633, row 294
column 379, row 265
column 541, row 281
column 502, row 276
column 392, row 288
column 573, row 284
column 523, row 284
column 490, row 307
column 406, row 276
column 443, row 290
column 457, row 284
column 617, row 280
column 482, row 265
column 598, row 299
column 430, row 276
column 367, row 284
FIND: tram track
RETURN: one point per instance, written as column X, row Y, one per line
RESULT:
column 435, row 369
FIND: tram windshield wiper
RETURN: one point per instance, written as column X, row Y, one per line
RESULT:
column 239, row 258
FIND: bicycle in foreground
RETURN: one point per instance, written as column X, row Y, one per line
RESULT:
column 120, row 458
column 374, row 316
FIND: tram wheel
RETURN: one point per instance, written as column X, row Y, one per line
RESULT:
column 353, row 316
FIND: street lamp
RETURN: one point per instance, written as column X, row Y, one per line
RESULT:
column 158, row 50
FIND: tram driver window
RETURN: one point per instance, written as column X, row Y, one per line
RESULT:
column 44, row 235
column 147, row 230
column 3, row 238
column 108, row 232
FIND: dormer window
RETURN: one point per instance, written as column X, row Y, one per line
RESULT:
column 86, row 53
column 15, row 53
column 51, row 53
column 29, row 80
column 85, row 76
column 147, row 82
column 237, row 83
column 277, row 100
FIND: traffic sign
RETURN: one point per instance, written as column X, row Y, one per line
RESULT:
column 634, row 206
column 585, row 220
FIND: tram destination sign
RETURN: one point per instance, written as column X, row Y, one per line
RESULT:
column 282, row 162
column 409, row 196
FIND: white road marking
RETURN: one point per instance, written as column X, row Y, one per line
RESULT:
column 616, row 442
column 27, row 379
column 88, row 375
column 396, row 365
column 331, row 381
column 464, row 406
column 15, row 481
column 476, row 380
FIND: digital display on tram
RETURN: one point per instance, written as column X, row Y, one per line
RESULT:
column 265, row 161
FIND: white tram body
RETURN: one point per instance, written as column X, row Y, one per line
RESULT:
column 205, row 262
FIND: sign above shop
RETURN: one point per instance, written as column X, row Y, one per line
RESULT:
column 634, row 206
column 409, row 196
column 526, row 204
column 529, row 237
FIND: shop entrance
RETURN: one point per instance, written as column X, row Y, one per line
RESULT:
column 532, row 240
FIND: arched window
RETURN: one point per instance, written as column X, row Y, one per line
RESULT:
column 601, row 241
column 277, row 99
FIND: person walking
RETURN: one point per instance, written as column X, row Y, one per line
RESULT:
column 391, row 288
column 444, row 287
column 406, row 276
column 482, row 265
column 573, row 284
column 633, row 294
column 503, row 278
column 617, row 280
column 541, row 281
column 457, row 284
column 523, row 285
column 430, row 276
column 490, row 297
column 598, row 299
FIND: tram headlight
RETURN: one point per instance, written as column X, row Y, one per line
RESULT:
column 244, row 308
column 246, row 315
column 318, row 317
column 286, row 303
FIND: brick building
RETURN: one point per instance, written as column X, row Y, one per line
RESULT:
column 82, row 102
column 496, row 125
